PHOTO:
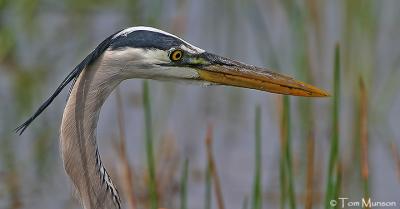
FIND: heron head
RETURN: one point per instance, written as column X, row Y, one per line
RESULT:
column 146, row 52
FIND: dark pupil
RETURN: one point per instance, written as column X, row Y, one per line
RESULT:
column 177, row 55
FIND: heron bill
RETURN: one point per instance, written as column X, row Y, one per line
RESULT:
column 231, row 73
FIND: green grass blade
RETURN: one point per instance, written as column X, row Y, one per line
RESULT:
column 282, row 183
column 149, row 146
column 332, row 183
column 184, row 180
column 282, row 170
column 282, row 161
column 288, row 153
column 257, row 184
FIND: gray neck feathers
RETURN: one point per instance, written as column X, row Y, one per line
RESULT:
column 78, row 137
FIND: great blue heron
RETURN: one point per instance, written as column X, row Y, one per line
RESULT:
column 139, row 52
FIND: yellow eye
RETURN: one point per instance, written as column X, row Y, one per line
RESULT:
column 176, row 55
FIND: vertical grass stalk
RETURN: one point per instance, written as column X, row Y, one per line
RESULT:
column 149, row 146
column 286, row 173
column 207, row 196
column 396, row 158
column 184, row 182
column 282, row 174
column 257, row 184
column 333, row 181
column 364, row 138
column 213, row 170
column 310, row 171
column 288, row 153
column 126, row 169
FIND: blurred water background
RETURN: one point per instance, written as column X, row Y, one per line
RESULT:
column 304, row 155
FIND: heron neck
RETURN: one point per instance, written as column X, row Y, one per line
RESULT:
column 78, row 137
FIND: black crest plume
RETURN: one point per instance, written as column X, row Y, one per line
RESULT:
column 71, row 76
